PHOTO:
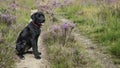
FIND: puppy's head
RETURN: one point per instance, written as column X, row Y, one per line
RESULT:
column 38, row 18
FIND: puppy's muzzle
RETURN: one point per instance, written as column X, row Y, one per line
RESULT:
column 42, row 24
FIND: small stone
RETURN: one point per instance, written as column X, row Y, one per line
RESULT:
column 92, row 47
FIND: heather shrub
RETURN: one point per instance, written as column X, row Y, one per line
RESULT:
column 63, row 49
column 60, row 33
column 7, row 19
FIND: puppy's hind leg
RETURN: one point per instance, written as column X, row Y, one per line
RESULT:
column 20, row 55
column 20, row 50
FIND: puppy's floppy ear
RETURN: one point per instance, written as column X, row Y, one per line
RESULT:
column 33, row 16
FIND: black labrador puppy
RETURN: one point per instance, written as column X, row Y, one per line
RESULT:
column 29, row 36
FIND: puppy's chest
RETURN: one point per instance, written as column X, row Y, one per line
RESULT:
column 34, row 31
column 37, row 32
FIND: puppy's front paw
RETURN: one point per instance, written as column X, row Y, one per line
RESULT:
column 21, row 57
column 39, row 53
column 37, row 57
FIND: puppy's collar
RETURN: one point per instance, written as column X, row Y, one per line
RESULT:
column 38, row 26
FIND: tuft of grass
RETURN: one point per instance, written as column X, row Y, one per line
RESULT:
column 115, row 49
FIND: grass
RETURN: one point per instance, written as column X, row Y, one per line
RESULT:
column 99, row 22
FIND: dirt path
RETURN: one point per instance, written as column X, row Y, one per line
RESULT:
column 31, row 62
column 93, row 51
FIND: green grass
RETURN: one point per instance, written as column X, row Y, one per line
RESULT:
column 99, row 22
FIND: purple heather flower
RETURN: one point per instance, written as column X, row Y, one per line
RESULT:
column 37, row 2
column 56, row 2
column 7, row 18
column 110, row 1
column 55, row 27
column 12, row 6
column 67, row 2
column 4, row 15
column 72, row 25
column 65, row 26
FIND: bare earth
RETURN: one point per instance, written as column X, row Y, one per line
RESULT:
column 31, row 62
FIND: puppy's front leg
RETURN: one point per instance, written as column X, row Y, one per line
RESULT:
column 35, row 49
